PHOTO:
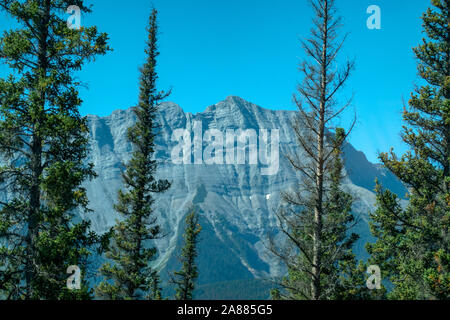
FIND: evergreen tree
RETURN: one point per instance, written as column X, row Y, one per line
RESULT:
column 412, row 247
column 342, row 278
column 43, row 146
column 185, row 278
column 315, row 218
column 130, row 274
column 155, row 292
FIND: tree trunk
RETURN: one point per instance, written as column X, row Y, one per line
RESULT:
column 318, row 210
column 36, row 159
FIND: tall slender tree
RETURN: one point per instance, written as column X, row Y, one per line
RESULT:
column 412, row 247
column 315, row 218
column 343, row 278
column 130, row 274
column 43, row 146
column 155, row 291
column 185, row 278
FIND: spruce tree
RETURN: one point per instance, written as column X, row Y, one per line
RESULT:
column 155, row 291
column 316, row 216
column 342, row 277
column 43, row 146
column 412, row 248
column 185, row 278
column 130, row 274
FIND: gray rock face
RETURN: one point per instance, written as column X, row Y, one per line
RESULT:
column 237, row 202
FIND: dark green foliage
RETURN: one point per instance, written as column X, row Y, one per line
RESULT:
column 275, row 294
column 412, row 247
column 244, row 289
column 155, row 292
column 186, row 277
column 343, row 279
column 130, row 275
column 341, row 276
column 43, row 146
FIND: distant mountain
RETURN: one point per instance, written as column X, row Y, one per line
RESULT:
column 237, row 202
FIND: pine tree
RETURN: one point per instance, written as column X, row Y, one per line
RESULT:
column 185, row 278
column 155, row 292
column 315, row 218
column 130, row 274
column 412, row 248
column 342, row 279
column 43, row 146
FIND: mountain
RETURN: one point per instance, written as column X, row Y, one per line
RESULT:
column 236, row 201
column 236, row 196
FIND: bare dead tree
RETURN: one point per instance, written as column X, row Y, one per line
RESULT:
column 307, row 216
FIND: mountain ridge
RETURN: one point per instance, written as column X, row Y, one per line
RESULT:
column 236, row 202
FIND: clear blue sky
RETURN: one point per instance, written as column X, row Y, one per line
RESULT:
column 211, row 49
